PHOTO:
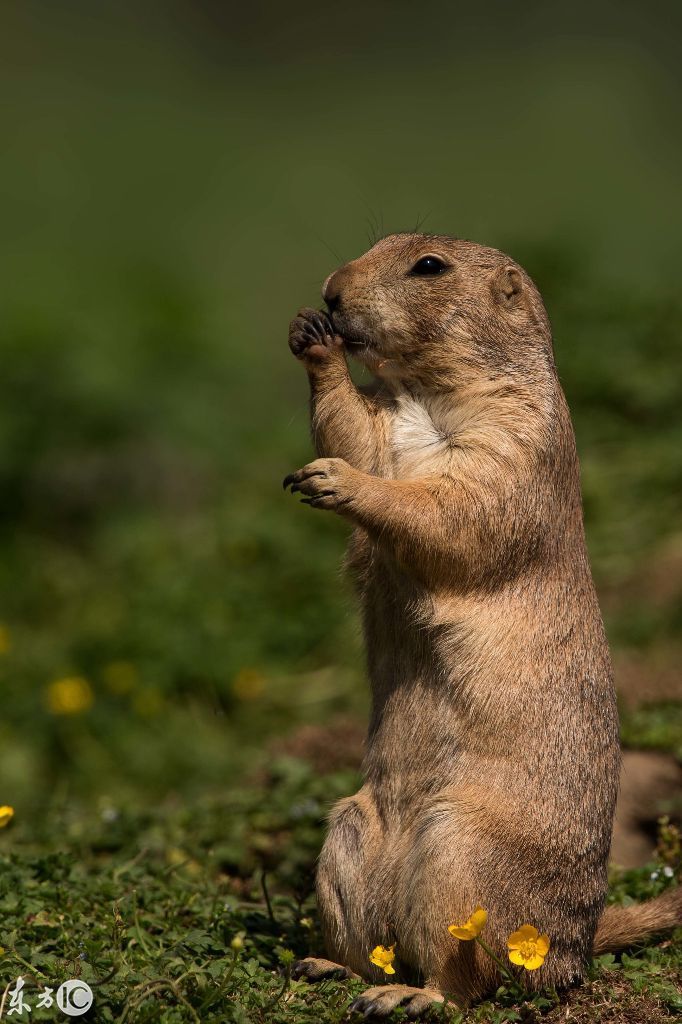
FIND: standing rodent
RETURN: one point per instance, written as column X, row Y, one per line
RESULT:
column 493, row 754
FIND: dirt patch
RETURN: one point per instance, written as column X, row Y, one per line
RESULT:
column 657, row 583
column 648, row 677
column 650, row 783
column 609, row 1002
column 337, row 746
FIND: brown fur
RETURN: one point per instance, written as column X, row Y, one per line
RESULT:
column 619, row 927
column 492, row 756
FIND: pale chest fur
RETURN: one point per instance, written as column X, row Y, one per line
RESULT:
column 421, row 436
column 490, row 428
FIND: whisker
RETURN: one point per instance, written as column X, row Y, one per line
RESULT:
column 334, row 253
column 421, row 220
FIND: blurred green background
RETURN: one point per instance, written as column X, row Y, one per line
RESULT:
column 176, row 180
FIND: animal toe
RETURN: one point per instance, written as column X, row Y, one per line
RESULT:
column 314, row 968
column 379, row 1002
column 420, row 1003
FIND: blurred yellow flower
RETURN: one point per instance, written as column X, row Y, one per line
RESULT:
column 248, row 684
column 176, row 856
column 6, row 815
column 120, row 676
column 527, row 947
column 471, row 928
column 5, row 641
column 383, row 957
column 179, row 859
column 69, row 696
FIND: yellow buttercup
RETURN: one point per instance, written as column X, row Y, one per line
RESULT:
column 472, row 928
column 383, row 957
column 527, row 947
column 69, row 696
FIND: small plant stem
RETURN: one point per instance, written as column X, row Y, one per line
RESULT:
column 447, row 1002
column 266, row 894
column 230, row 971
column 214, row 997
column 25, row 963
column 138, row 929
column 505, row 970
column 107, row 977
column 4, row 997
column 140, row 855
column 285, row 986
column 150, row 988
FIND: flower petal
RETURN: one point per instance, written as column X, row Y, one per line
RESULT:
column 533, row 962
column 525, row 933
column 542, row 945
column 477, row 920
column 462, row 931
column 516, row 958
column 383, row 957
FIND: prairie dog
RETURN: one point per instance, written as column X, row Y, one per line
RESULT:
column 493, row 751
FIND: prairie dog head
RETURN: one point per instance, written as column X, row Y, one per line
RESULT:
column 431, row 310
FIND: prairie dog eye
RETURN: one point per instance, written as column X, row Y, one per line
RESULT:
column 428, row 266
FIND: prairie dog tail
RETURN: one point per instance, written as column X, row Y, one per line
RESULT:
column 619, row 927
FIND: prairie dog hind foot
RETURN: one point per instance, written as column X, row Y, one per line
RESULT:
column 313, row 968
column 384, row 999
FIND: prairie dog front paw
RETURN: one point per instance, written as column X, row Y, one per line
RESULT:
column 327, row 483
column 312, row 337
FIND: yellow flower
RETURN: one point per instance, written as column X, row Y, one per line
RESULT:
column 69, row 696
column 175, row 857
column 527, row 947
column 5, row 641
column 6, row 815
column 471, row 928
column 383, row 958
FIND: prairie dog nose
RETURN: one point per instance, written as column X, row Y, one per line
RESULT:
column 332, row 302
column 331, row 290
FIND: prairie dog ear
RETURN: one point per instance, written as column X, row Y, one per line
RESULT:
column 507, row 286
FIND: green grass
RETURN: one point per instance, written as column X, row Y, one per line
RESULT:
column 148, row 908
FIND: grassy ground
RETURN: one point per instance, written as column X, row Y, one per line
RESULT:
column 196, row 910
column 172, row 629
